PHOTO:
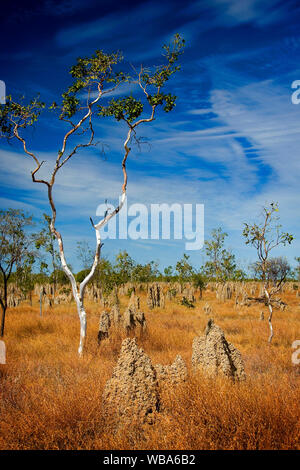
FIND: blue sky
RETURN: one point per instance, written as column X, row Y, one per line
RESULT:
column 232, row 142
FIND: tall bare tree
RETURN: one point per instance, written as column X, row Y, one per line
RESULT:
column 265, row 237
column 93, row 78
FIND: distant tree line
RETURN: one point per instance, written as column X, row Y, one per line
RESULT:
column 31, row 257
column 28, row 258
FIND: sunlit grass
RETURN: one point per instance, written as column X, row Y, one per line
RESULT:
column 51, row 399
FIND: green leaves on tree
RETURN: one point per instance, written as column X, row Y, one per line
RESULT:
column 128, row 109
column 22, row 115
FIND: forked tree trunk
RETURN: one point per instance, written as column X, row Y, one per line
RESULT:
column 79, row 299
column 78, row 294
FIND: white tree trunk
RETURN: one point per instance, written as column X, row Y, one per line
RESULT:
column 79, row 294
column 83, row 324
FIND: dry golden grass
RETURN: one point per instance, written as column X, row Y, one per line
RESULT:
column 50, row 399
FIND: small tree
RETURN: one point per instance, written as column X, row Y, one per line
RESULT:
column 145, row 273
column 85, row 254
column 185, row 269
column 25, row 277
column 106, row 277
column 199, row 282
column 264, row 237
column 168, row 273
column 124, row 267
column 277, row 269
column 93, row 78
column 15, row 248
column 221, row 262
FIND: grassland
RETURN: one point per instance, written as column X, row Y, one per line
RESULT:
column 51, row 399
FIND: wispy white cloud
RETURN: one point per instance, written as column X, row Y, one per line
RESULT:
column 237, row 153
column 105, row 27
column 231, row 13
